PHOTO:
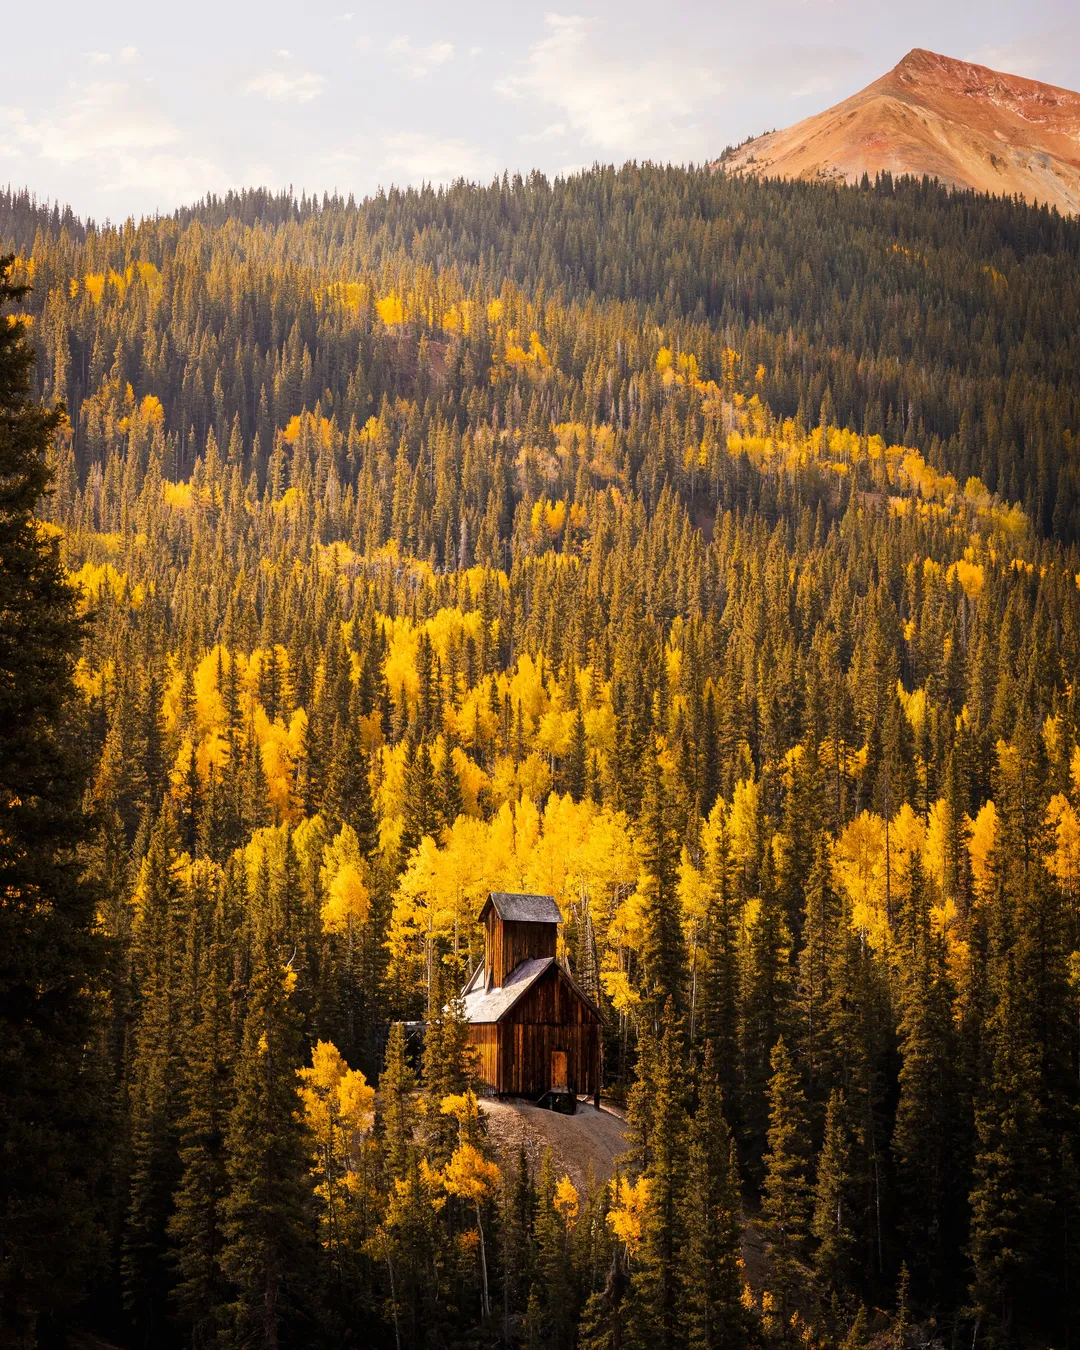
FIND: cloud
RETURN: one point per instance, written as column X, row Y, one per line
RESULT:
column 107, row 132
column 417, row 62
column 815, row 85
column 554, row 132
column 127, row 56
column 648, row 105
column 102, row 119
column 280, row 85
column 1034, row 56
column 418, row 157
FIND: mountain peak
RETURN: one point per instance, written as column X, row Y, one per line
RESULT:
column 957, row 121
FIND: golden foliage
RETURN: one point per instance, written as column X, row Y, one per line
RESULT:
column 629, row 1202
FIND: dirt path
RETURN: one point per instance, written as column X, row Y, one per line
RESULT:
column 590, row 1136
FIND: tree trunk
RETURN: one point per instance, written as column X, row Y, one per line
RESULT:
column 483, row 1262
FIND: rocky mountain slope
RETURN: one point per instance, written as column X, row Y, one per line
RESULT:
column 964, row 124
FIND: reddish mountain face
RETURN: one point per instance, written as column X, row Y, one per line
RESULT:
column 964, row 124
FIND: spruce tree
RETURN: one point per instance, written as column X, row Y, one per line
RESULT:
column 928, row 1136
column 766, row 1016
column 268, row 1224
column 785, row 1203
column 554, row 1280
column 712, row 1278
column 195, row 1226
column 720, row 994
column 663, row 952
column 398, row 1108
column 154, row 1078
column 836, row 1260
column 657, row 1277
column 50, row 952
column 1008, row 1204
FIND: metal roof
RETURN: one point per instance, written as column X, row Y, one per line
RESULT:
column 514, row 907
column 491, row 1005
column 482, row 1005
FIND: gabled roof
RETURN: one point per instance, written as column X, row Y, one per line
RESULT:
column 513, row 907
column 484, row 1005
column 476, row 979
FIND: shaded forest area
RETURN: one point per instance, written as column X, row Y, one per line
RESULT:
column 701, row 552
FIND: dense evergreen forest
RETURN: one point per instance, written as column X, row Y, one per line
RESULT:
column 701, row 552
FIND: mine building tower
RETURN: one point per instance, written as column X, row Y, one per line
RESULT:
column 534, row 1030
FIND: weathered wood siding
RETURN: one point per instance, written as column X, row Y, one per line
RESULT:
column 514, row 1056
column 484, row 1039
column 550, row 1017
column 508, row 944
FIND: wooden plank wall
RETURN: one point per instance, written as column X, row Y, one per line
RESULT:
column 550, row 1017
column 484, row 1039
column 492, row 948
column 508, row 944
column 522, row 941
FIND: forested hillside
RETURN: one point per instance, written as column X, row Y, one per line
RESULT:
column 702, row 552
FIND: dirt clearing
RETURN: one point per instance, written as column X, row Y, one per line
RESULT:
column 590, row 1136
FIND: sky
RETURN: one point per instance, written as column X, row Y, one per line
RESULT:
column 122, row 108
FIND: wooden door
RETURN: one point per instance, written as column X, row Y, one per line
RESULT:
column 558, row 1070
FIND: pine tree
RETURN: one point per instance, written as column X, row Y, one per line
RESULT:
column 816, row 960
column 449, row 786
column 663, row 953
column 605, row 1318
column 720, row 983
column 50, row 955
column 1008, row 1206
column 398, row 1113
column 577, row 761
column 554, row 1282
column 348, row 796
column 712, row 1279
column 836, row 1257
column 766, row 1004
column 927, row 1140
column 267, row 1229
column 421, row 800
column 657, row 1279
column 785, row 1204
column 195, row 1225
column 154, row 1078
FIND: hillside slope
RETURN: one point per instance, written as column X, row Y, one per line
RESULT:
column 964, row 124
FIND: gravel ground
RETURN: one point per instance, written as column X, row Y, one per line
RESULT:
column 589, row 1137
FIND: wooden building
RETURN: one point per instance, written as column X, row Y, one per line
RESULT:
column 533, row 1029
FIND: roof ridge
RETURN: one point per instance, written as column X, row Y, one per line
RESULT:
column 523, row 907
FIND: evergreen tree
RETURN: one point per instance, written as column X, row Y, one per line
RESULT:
column 712, row 1279
column 195, row 1225
column 657, row 1278
column 836, row 1257
column 50, row 955
column 1008, row 1205
column 664, row 953
column 720, row 995
column 785, row 1203
column 927, row 1140
column 266, row 1231
column 554, row 1304
column 154, row 1079
column 766, row 1013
